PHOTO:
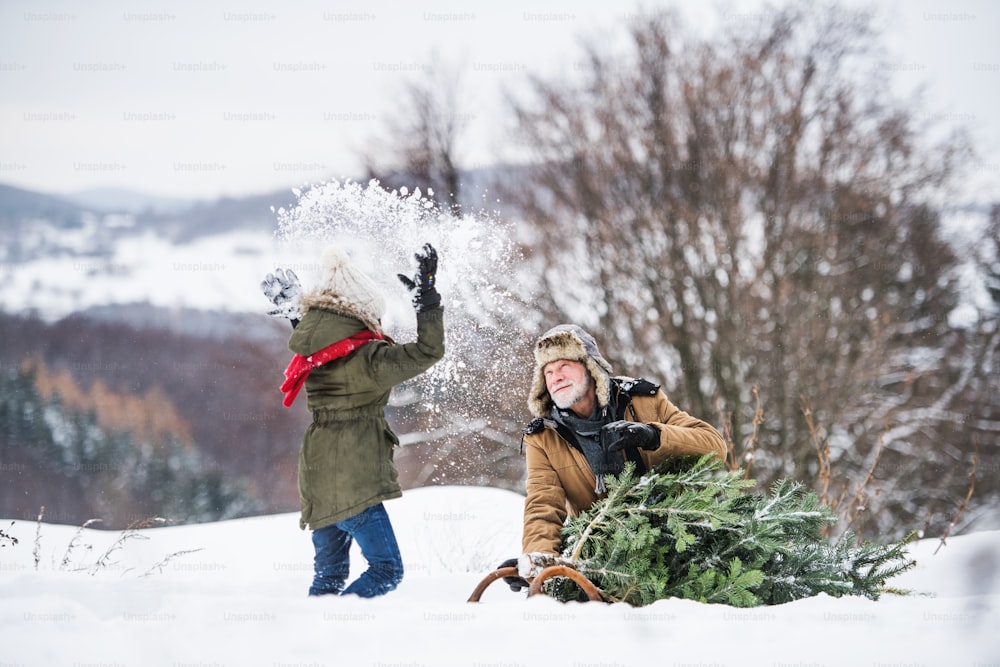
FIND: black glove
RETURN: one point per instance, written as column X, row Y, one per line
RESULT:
column 515, row 583
column 622, row 434
column 424, row 295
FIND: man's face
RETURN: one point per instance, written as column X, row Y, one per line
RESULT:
column 567, row 381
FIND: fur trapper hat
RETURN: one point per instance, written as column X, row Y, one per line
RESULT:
column 346, row 290
column 567, row 341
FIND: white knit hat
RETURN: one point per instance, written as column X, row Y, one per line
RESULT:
column 346, row 290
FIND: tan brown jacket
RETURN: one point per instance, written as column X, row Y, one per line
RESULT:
column 560, row 481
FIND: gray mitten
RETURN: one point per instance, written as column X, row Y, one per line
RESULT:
column 282, row 288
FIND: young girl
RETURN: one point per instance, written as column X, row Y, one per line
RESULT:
column 348, row 367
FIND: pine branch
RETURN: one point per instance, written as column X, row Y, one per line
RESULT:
column 614, row 493
column 694, row 533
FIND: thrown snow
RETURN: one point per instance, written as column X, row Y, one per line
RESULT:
column 381, row 231
column 240, row 600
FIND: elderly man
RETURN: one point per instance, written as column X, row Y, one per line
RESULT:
column 587, row 425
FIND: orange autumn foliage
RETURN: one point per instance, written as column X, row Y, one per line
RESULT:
column 148, row 417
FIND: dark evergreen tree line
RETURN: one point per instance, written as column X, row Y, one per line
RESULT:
column 51, row 455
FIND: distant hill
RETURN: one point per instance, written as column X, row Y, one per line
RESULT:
column 182, row 220
column 18, row 206
column 119, row 200
column 223, row 215
column 176, row 219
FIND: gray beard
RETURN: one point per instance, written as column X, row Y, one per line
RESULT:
column 566, row 402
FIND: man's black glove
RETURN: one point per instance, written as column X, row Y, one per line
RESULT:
column 424, row 295
column 516, row 583
column 623, row 434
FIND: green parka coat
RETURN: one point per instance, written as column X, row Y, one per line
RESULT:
column 345, row 463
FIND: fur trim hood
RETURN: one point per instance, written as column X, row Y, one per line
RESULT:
column 567, row 341
column 346, row 290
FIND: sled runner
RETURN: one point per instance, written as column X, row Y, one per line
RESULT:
column 593, row 594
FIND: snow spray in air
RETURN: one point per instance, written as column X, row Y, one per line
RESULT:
column 487, row 348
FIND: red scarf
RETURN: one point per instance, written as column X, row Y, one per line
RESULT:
column 300, row 367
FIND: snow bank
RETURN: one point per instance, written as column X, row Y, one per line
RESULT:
column 240, row 600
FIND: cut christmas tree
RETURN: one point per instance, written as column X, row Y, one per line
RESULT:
column 694, row 531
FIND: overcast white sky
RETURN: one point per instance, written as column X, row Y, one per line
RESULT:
column 195, row 98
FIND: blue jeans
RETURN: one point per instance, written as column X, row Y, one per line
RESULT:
column 372, row 530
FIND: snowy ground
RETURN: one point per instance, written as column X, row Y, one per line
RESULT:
column 241, row 600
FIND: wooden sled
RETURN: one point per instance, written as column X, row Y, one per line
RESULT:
column 593, row 594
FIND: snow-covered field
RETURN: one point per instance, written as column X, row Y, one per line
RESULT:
column 240, row 600
column 234, row 593
column 221, row 271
